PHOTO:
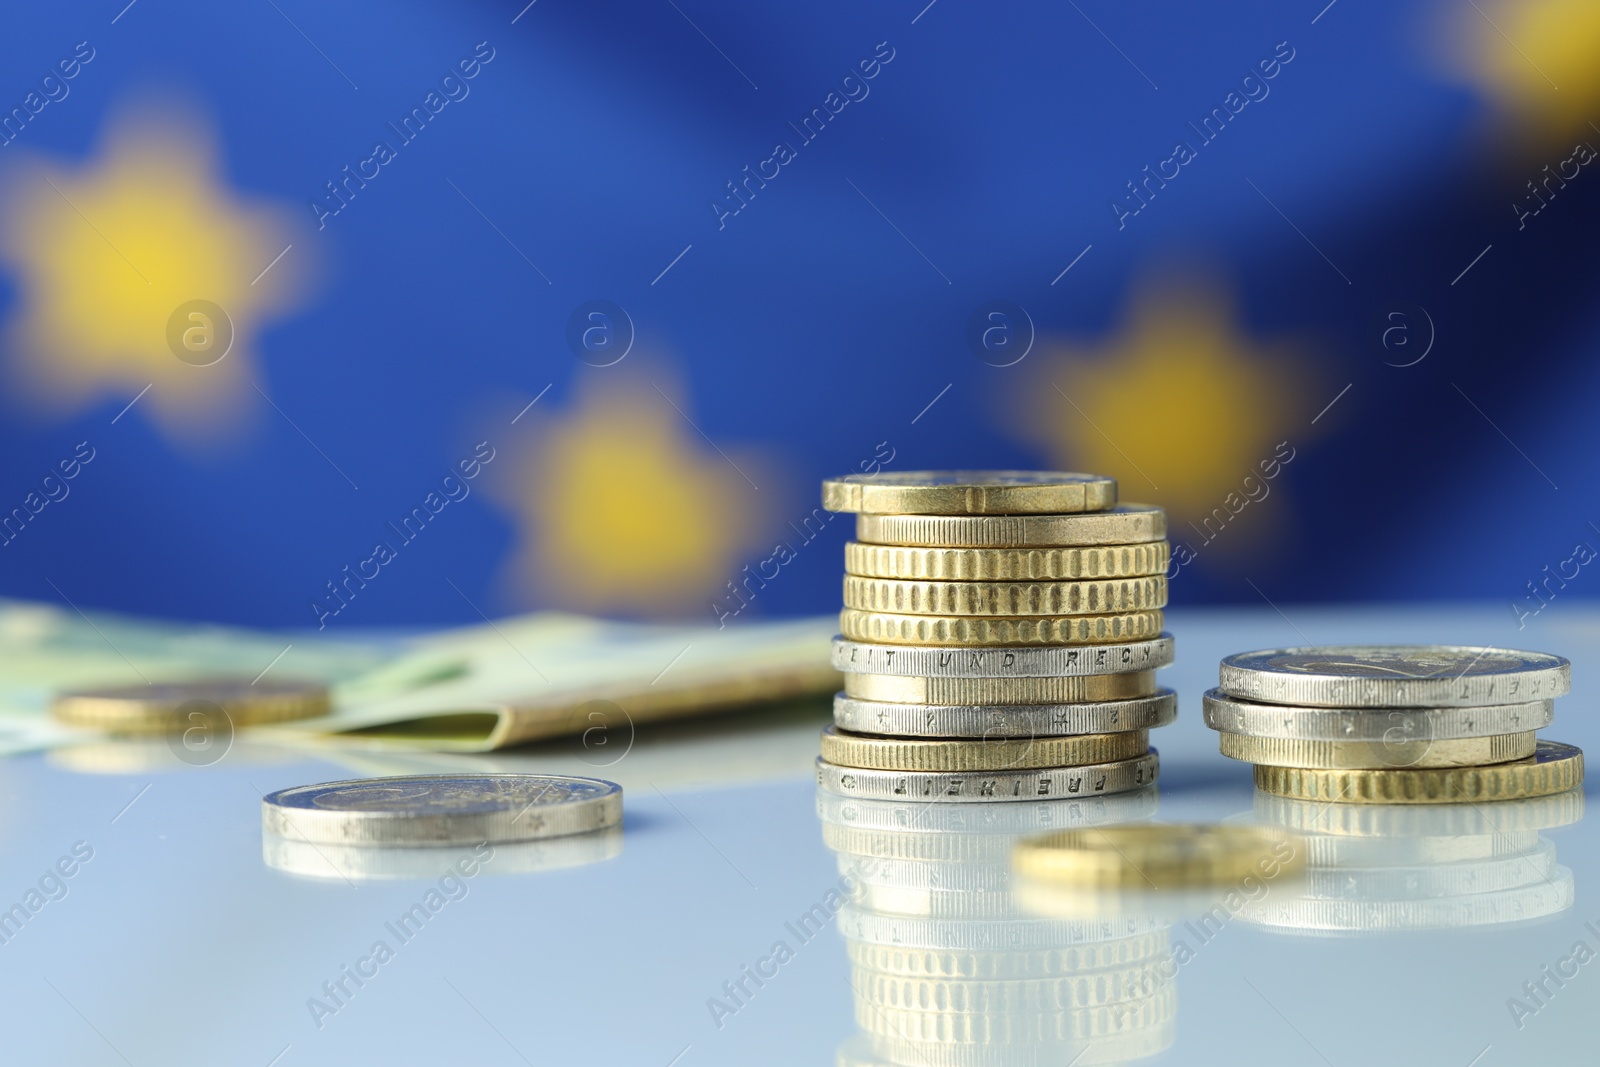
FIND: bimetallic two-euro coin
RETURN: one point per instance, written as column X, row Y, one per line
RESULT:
column 1007, row 564
column 1230, row 715
column 1105, row 596
column 1553, row 768
column 996, row 754
column 1124, row 524
column 1373, row 755
column 1395, row 676
column 857, row 657
column 1159, row 857
column 1004, row 720
column 168, row 706
column 1067, row 690
column 1118, row 776
column 964, row 630
column 969, row 492
column 442, row 809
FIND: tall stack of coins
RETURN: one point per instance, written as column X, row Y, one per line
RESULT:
column 1000, row 636
column 1395, row 724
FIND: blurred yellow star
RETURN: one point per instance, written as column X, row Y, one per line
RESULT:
column 1181, row 406
column 142, row 269
column 1536, row 58
column 622, row 506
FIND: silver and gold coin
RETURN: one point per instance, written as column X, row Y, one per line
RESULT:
column 990, row 754
column 1231, row 715
column 442, row 809
column 967, row 691
column 969, row 492
column 895, row 719
column 1124, row 524
column 1106, row 596
column 964, row 787
column 1007, row 564
column 966, row 630
column 857, row 657
column 1395, row 676
column 1373, row 755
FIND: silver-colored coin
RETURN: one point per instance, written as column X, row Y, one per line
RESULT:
column 1001, row 935
column 1433, row 881
column 1307, row 915
column 368, row 863
column 1393, row 726
column 1003, row 821
column 442, row 809
column 991, row 786
column 1004, row 720
column 941, row 875
column 1333, row 850
column 859, row 657
column 1004, row 965
column 1395, row 676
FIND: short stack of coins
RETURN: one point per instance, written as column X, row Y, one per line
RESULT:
column 1000, row 637
column 1395, row 724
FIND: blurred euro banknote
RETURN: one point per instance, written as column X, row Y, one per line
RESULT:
column 473, row 689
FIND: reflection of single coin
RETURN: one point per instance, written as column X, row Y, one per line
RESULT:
column 1124, row 524
column 1007, row 564
column 1395, row 676
column 896, row 719
column 1332, row 850
column 867, row 1050
column 1433, row 880
column 991, row 786
column 855, row 657
column 1005, row 965
column 151, row 708
column 1024, row 1028
column 963, row 630
column 1445, row 913
column 969, row 492
column 1050, row 900
column 1356, row 755
column 1008, row 935
column 1105, row 596
column 927, row 819
column 1038, row 995
column 1553, row 768
column 905, row 754
column 1158, row 857
column 957, row 877
column 1231, row 715
column 900, row 689
column 1439, row 820
column 442, row 809
column 965, row 905
column 363, row 863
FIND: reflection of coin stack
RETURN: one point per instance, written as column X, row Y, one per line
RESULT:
column 947, row 972
column 1001, row 633
column 1380, row 867
column 1396, row 724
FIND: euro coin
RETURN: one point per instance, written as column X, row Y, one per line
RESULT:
column 1358, row 755
column 442, row 809
column 855, row 657
column 1007, row 564
column 1002, row 754
column 1124, row 524
column 179, row 706
column 1105, row 597
column 1395, row 676
column 1067, row 690
column 1553, row 768
column 966, row 630
column 1048, row 783
column 1230, row 715
column 969, row 492
column 1158, row 857
column 895, row 719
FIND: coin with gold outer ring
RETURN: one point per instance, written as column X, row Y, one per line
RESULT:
column 1553, row 768
column 892, row 629
column 1124, row 524
column 1103, row 597
column 1094, row 688
column 969, row 493
column 1007, row 564
column 899, row 754
column 1149, row 857
column 1359, row 755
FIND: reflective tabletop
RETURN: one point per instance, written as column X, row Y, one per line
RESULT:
column 740, row 916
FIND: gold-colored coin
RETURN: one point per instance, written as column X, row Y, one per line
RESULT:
column 1359, row 755
column 1079, row 689
column 1007, row 564
column 970, row 493
column 1553, row 768
column 884, row 628
column 898, row 754
column 1125, row 524
column 207, row 704
column 1146, row 857
column 1104, row 597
